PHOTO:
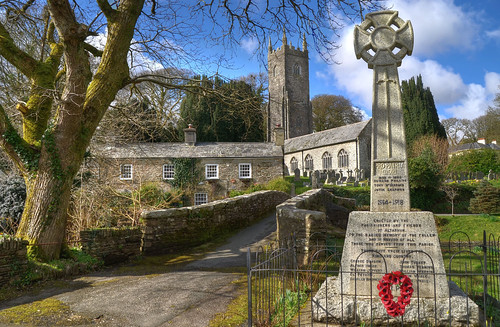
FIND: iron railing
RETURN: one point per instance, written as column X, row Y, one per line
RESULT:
column 284, row 280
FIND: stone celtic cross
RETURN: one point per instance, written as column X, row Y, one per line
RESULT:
column 383, row 40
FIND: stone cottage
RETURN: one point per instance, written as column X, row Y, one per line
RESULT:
column 223, row 166
column 219, row 166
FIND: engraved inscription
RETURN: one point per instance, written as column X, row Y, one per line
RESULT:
column 389, row 241
column 390, row 168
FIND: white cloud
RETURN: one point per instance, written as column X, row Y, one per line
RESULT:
column 439, row 25
column 449, row 90
column 249, row 45
column 472, row 105
column 495, row 34
column 492, row 82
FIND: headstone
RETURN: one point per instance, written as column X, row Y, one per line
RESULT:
column 491, row 176
column 356, row 175
column 315, row 179
column 480, row 175
column 305, row 174
column 296, row 173
column 361, row 174
column 390, row 237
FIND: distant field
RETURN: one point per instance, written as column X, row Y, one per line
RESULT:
column 473, row 225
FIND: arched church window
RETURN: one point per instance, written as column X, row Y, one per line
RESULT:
column 309, row 162
column 327, row 161
column 294, row 164
column 274, row 71
column 297, row 71
column 343, row 158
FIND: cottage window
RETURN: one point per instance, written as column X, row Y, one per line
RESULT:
column 211, row 171
column 168, row 171
column 126, row 172
column 245, row 170
column 294, row 164
column 343, row 159
column 309, row 162
column 327, row 161
column 200, row 198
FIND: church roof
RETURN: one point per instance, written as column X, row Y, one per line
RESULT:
column 182, row 150
column 328, row 137
column 473, row 146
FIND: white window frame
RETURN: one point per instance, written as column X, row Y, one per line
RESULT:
column 168, row 171
column 247, row 172
column 123, row 172
column 209, row 172
column 200, row 198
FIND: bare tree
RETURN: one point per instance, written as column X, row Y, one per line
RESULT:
column 85, row 52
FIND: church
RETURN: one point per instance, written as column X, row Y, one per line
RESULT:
column 220, row 167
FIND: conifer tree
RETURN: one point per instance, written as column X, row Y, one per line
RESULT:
column 420, row 113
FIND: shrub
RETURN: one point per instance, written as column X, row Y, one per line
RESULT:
column 486, row 200
column 475, row 160
column 12, row 197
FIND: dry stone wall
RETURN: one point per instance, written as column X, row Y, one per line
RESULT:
column 171, row 230
column 309, row 213
column 13, row 259
column 113, row 245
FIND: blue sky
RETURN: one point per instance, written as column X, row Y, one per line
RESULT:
column 457, row 52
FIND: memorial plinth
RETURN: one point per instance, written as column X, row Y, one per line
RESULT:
column 390, row 237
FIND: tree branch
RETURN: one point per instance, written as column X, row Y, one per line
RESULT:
column 18, row 58
column 93, row 50
column 107, row 10
column 21, row 153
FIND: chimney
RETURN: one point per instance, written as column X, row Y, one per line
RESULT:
column 190, row 135
column 494, row 142
column 481, row 141
column 279, row 135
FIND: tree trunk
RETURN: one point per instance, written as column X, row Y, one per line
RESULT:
column 44, row 218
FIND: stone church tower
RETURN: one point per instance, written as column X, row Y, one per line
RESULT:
column 289, row 105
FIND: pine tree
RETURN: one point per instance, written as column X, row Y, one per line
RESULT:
column 229, row 112
column 420, row 113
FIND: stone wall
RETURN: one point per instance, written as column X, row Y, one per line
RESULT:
column 309, row 213
column 112, row 244
column 175, row 229
column 13, row 259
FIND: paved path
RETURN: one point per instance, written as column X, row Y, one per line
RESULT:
column 189, row 296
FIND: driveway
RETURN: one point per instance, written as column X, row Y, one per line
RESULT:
column 190, row 295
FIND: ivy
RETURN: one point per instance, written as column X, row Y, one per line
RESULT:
column 55, row 160
column 186, row 173
column 29, row 156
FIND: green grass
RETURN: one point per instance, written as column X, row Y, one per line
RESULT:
column 473, row 225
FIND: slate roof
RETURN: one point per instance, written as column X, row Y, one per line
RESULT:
column 473, row 146
column 328, row 137
column 182, row 150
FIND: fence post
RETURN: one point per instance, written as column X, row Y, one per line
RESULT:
column 249, row 280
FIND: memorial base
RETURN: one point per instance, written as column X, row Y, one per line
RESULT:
column 378, row 243
column 347, row 309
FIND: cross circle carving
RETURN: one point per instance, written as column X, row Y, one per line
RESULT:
column 383, row 39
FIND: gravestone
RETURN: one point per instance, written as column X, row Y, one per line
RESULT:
column 315, row 179
column 390, row 237
column 296, row 173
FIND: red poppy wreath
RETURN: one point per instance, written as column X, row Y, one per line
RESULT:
column 395, row 309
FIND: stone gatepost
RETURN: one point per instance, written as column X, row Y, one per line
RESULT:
column 390, row 237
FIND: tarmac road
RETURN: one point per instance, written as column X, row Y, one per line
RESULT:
column 189, row 296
